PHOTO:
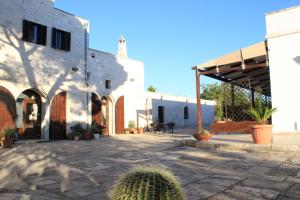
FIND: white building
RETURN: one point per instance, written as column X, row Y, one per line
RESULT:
column 50, row 79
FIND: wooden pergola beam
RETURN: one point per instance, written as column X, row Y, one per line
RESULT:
column 232, row 69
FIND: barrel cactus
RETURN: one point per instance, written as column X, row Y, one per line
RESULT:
column 148, row 183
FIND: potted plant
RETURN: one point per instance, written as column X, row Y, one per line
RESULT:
column 7, row 137
column 97, row 131
column 77, row 131
column 132, row 127
column 261, row 133
column 202, row 134
column 126, row 130
column 87, row 134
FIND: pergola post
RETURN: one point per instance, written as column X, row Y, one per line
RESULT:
column 199, row 113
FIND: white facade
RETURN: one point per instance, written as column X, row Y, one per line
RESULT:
column 48, row 71
column 78, row 72
column 283, row 37
column 174, row 106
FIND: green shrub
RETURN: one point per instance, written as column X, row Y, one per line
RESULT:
column 131, row 124
column 148, row 183
column 8, row 132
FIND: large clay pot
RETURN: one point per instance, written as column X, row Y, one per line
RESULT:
column 262, row 134
column 87, row 135
column 203, row 137
column 7, row 142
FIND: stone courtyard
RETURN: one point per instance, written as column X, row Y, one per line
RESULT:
column 88, row 169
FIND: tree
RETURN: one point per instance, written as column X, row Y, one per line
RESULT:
column 151, row 89
column 211, row 91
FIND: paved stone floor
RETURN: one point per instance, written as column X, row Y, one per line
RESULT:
column 88, row 169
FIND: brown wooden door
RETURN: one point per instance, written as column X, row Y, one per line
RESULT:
column 58, row 117
column 120, row 115
column 96, row 110
column 7, row 109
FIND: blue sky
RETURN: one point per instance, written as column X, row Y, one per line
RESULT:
column 171, row 36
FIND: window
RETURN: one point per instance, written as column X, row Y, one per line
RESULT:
column 34, row 33
column 108, row 84
column 61, row 40
column 186, row 112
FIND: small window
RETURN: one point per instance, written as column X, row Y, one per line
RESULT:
column 108, row 84
column 61, row 40
column 34, row 33
column 186, row 112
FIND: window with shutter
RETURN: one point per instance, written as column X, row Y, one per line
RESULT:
column 61, row 40
column 34, row 33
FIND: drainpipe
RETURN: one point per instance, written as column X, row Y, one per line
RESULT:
column 85, row 72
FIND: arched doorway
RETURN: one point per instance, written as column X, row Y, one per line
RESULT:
column 7, row 109
column 120, row 115
column 106, row 114
column 58, row 117
column 96, row 110
column 29, row 109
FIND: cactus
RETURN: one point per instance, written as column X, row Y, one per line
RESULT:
column 148, row 183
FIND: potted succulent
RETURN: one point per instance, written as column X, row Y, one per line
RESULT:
column 97, row 131
column 7, row 137
column 132, row 127
column 261, row 133
column 77, row 131
column 202, row 134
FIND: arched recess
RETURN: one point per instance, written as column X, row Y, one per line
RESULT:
column 96, row 110
column 58, row 117
column 106, row 108
column 120, row 115
column 7, row 109
column 29, row 109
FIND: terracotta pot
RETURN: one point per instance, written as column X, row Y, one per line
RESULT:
column 7, row 142
column 262, row 134
column 203, row 137
column 141, row 130
column 88, row 136
column 133, row 131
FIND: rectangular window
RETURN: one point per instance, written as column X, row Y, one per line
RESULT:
column 108, row 84
column 34, row 33
column 61, row 40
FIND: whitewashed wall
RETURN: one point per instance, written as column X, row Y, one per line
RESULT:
column 127, row 79
column 283, row 35
column 24, row 65
column 174, row 109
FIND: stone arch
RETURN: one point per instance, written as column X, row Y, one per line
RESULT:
column 96, row 110
column 107, row 113
column 29, row 112
column 7, row 109
column 119, row 115
column 58, row 116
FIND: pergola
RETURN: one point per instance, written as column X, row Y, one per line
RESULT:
column 249, row 65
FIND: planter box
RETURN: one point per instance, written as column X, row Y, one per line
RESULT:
column 233, row 127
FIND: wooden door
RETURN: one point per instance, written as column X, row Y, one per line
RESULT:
column 7, row 109
column 161, row 114
column 120, row 115
column 58, row 117
column 96, row 110
column 31, row 128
